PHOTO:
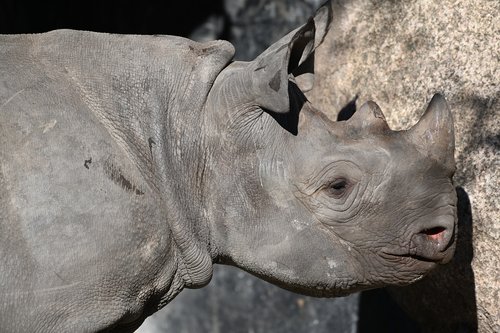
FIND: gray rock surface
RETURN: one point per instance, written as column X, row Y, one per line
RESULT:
column 399, row 53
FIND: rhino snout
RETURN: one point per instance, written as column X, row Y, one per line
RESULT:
column 435, row 242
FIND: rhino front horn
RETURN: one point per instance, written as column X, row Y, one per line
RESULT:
column 434, row 134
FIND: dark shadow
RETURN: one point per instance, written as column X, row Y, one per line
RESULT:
column 485, row 110
column 378, row 312
column 179, row 18
column 348, row 110
column 445, row 301
column 290, row 120
column 464, row 252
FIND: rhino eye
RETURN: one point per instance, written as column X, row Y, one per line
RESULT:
column 337, row 188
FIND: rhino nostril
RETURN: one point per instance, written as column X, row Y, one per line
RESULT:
column 436, row 233
column 434, row 242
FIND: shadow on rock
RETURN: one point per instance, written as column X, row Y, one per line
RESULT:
column 348, row 110
column 379, row 313
column 445, row 300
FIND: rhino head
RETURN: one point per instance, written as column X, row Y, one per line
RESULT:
column 321, row 207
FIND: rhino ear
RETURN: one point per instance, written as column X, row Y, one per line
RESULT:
column 290, row 58
column 434, row 133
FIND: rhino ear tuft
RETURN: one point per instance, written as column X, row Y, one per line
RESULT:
column 369, row 118
column 434, row 132
column 290, row 58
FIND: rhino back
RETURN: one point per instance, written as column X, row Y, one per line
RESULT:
column 83, row 123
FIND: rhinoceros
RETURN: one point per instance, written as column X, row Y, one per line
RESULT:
column 129, row 165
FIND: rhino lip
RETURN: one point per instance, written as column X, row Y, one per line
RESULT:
column 414, row 256
column 432, row 244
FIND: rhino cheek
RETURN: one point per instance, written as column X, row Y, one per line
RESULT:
column 316, row 264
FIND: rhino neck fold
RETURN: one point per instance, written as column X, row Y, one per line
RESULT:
column 224, row 100
column 230, row 112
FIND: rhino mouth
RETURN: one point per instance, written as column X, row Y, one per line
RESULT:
column 434, row 244
column 434, row 233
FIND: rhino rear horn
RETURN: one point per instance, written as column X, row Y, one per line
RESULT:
column 292, row 57
column 434, row 133
column 369, row 118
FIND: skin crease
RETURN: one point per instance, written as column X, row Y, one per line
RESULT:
column 134, row 163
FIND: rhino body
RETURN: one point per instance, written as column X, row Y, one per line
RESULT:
column 130, row 164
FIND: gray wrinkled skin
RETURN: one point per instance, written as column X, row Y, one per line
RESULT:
column 130, row 164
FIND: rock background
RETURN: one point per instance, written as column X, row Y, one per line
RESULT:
column 399, row 53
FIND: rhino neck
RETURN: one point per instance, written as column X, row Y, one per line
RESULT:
column 232, row 154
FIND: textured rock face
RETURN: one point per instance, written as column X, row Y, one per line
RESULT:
column 399, row 53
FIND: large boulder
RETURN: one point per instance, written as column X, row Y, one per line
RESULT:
column 399, row 53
